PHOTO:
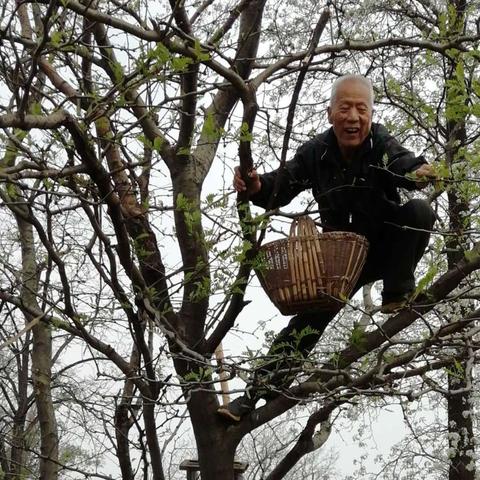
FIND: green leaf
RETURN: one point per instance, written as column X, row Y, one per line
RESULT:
column 56, row 38
column 48, row 184
column 358, row 338
column 471, row 256
column 12, row 191
column 180, row 64
column 102, row 123
column 117, row 70
column 475, row 109
column 210, row 199
column 200, row 54
column 244, row 248
column 144, row 140
column 184, row 151
column 458, row 366
column 158, row 143
column 36, row 108
column 427, row 279
column 210, row 129
column 245, row 134
column 160, row 54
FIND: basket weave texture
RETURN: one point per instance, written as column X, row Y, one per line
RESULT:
column 311, row 270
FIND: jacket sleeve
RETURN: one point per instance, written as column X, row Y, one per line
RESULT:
column 292, row 179
column 398, row 160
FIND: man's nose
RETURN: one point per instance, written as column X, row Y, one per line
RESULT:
column 353, row 115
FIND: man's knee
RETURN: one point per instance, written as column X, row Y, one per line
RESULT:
column 418, row 213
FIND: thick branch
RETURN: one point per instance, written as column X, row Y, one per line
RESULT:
column 180, row 16
column 27, row 122
column 437, row 292
column 229, row 22
column 139, row 109
column 328, row 377
column 307, row 442
column 361, row 46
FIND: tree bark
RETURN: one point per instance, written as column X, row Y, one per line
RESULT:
column 459, row 401
column 14, row 465
column 42, row 341
column 461, row 439
column 215, row 446
column 123, row 422
column 41, row 359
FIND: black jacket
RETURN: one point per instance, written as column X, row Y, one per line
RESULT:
column 357, row 197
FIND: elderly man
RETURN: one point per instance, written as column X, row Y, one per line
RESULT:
column 354, row 170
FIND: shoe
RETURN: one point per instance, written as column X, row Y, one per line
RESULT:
column 395, row 303
column 236, row 409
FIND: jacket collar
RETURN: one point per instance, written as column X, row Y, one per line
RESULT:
column 332, row 152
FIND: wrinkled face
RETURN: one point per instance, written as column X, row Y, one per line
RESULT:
column 351, row 115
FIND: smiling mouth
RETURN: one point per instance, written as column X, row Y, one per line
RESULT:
column 352, row 131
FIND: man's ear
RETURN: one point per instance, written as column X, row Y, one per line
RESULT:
column 329, row 115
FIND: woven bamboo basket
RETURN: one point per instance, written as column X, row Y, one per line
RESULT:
column 311, row 270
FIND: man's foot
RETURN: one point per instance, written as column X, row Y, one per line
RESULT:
column 236, row 409
column 395, row 303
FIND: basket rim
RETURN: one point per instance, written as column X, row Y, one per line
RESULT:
column 322, row 236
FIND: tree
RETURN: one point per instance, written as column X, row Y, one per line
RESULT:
column 116, row 114
column 445, row 115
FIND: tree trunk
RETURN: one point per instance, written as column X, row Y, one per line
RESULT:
column 460, row 431
column 14, row 466
column 41, row 358
column 215, row 446
column 124, row 421
column 152, row 439
column 42, row 376
column 460, row 426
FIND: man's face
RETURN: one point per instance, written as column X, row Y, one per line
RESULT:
column 351, row 115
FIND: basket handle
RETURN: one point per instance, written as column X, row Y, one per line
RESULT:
column 304, row 226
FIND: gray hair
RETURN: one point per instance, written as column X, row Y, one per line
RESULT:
column 352, row 78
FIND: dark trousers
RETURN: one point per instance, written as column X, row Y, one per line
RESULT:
column 392, row 257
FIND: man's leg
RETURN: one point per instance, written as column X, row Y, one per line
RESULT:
column 292, row 347
column 285, row 357
column 402, row 246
